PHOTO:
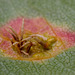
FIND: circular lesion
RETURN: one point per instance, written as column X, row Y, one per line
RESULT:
column 34, row 45
column 29, row 45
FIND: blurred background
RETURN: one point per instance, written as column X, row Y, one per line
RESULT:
column 58, row 12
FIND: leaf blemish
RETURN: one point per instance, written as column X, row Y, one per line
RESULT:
column 30, row 44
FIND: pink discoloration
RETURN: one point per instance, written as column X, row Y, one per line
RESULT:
column 35, row 25
column 67, row 36
column 6, row 46
column 4, row 32
column 0, row 39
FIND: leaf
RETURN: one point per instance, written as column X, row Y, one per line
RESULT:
column 62, row 64
column 59, row 13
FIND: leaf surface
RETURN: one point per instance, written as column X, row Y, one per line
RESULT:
column 62, row 64
column 60, row 13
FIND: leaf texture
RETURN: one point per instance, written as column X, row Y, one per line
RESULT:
column 59, row 13
column 62, row 64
